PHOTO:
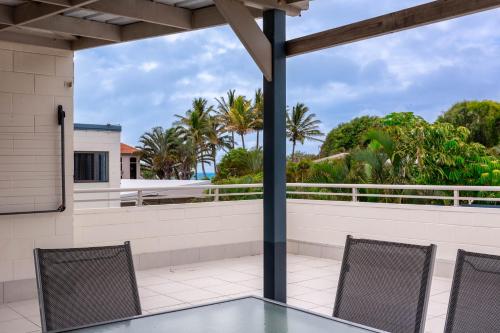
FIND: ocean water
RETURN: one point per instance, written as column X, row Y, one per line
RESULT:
column 210, row 175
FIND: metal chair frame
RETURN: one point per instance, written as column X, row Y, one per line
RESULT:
column 455, row 288
column 425, row 284
column 40, row 285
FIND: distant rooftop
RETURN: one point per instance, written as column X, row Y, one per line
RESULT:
column 126, row 149
column 96, row 127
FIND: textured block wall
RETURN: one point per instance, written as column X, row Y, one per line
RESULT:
column 33, row 81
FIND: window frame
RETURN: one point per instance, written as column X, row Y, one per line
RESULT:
column 96, row 167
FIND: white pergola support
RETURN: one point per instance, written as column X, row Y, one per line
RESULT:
column 248, row 31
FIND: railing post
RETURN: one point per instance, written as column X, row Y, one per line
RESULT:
column 216, row 194
column 139, row 198
column 354, row 194
column 456, row 198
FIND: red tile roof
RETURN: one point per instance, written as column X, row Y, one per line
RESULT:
column 126, row 149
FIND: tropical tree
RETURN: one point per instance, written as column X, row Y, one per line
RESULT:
column 382, row 164
column 217, row 139
column 240, row 162
column 185, row 160
column 258, row 111
column 241, row 118
column 348, row 136
column 158, row 151
column 301, row 126
column 195, row 126
column 224, row 106
column 450, row 159
column 482, row 118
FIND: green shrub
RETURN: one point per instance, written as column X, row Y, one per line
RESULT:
column 240, row 162
column 482, row 118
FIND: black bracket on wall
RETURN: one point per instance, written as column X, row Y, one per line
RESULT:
column 61, row 115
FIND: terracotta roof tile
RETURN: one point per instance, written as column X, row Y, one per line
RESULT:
column 126, row 149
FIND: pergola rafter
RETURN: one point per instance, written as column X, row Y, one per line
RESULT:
column 408, row 18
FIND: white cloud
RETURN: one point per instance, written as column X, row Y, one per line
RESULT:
column 148, row 66
column 108, row 84
column 157, row 98
column 206, row 77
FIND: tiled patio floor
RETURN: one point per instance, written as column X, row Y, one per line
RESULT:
column 312, row 284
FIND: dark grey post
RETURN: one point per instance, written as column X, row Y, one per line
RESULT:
column 275, row 161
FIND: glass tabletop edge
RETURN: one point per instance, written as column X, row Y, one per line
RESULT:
column 316, row 314
column 72, row 329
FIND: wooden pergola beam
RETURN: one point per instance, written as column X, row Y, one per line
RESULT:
column 274, row 4
column 201, row 18
column 248, row 31
column 428, row 13
column 147, row 11
column 35, row 40
column 210, row 17
column 33, row 11
column 79, row 27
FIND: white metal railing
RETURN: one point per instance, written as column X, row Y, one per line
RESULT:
column 354, row 192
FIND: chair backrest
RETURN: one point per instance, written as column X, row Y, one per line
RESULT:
column 81, row 286
column 385, row 285
column 475, row 294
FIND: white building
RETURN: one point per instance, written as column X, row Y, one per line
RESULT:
column 130, row 162
column 97, row 161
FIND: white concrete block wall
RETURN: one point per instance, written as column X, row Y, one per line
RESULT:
column 108, row 141
column 33, row 81
column 170, row 227
column 450, row 228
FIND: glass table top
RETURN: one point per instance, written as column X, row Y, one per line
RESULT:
column 245, row 315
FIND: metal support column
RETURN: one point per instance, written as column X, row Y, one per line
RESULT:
column 275, row 161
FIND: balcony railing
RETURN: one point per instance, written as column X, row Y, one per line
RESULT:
column 398, row 194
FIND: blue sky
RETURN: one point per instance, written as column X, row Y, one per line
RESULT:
column 143, row 84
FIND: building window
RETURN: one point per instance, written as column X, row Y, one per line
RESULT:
column 91, row 167
column 133, row 168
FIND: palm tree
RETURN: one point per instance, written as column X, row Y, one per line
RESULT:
column 384, row 163
column 195, row 126
column 223, row 109
column 301, row 126
column 241, row 117
column 217, row 140
column 157, row 151
column 258, row 110
column 185, row 160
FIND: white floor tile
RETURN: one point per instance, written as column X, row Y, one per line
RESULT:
column 169, row 287
column 300, row 303
column 193, row 295
column 28, row 308
column 205, row 282
column 435, row 325
column 320, row 298
column 159, row 301
column 326, row 311
column 18, row 326
column 228, row 289
column 7, row 313
column 235, row 276
column 320, row 283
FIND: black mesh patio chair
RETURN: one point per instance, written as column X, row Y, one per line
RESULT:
column 385, row 285
column 81, row 286
column 475, row 294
